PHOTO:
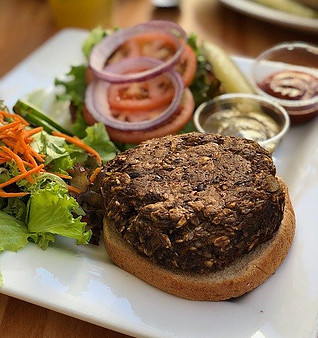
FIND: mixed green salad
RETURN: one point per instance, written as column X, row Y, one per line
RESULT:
column 46, row 180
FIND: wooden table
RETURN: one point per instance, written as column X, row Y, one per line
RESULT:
column 25, row 25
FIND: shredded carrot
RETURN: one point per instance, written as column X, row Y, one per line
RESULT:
column 15, row 157
column 3, row 154
column 9, row 126
column 30, row 132
column 12, row 194
column 15, row 117
column 36, row 155
column 65, row 176
column 19, row 162
column 24, row 145
column 80, row 144
column 21, row 176
column 16, row 146
column 31, row 159
column 28, row 164
column 8, row 142
column 16, row 140
column 73, row 189
column 94, row 174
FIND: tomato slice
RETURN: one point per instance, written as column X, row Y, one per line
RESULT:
column 88, row 118
column 187, row 65
column 155, row 92
column 173, row 125
column 126, row 115
column 145, row 95
column 145, row 100
column 89, row 76
column 159, row 46
column 137, row 116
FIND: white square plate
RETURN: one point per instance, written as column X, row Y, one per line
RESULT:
column 83, row 283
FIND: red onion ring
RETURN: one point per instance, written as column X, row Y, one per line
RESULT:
column 96, row 97
column 102, row 51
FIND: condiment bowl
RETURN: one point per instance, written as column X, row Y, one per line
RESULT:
column 287, row 73
column 244, row 115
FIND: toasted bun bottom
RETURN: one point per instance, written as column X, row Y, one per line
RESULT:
column 242, row 276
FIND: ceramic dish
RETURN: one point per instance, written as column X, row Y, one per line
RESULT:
column 272, row 15
column 244, row 115
column 287, row 73
column 83, row 283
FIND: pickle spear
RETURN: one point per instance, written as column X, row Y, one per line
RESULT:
column 232, row 79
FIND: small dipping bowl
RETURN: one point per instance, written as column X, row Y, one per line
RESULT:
column 244, row 115
column 288, row 74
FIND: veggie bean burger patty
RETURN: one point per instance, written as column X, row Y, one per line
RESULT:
column 200, row 216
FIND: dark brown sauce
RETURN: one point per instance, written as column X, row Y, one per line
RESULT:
column 291, row 85
column 294, row 86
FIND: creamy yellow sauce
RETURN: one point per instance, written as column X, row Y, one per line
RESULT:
column 251, row 125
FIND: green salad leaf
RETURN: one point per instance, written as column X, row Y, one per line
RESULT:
column 4, row 175
column 51, row 212
column 98, row 139
column 16, row 208
column 75, row 86
column 204, row 85
column 57, row 152
column 94, row 37
column 52, row 147
column 61, row 156
column 14, row 234
column 3, row 106
column 79, row 123
column 62, row 164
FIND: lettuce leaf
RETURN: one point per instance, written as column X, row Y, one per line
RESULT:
column 52, row 147
column 75, row 86
column 79, row 124
column 62, row 164
column 15, row 207
column 98, row 139
column 42, row 240
column 55, row 150
column 51, row 212
column 4, row 175
column 94, row 37
column 14, row 234
column 61, row 156
column 204, row 85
